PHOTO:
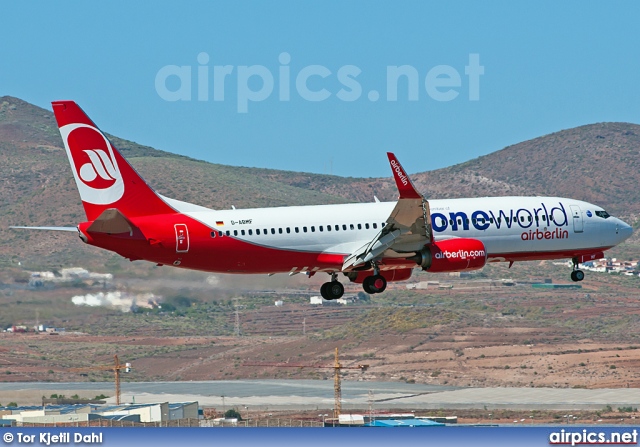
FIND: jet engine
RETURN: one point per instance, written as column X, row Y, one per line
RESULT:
column 451, row 255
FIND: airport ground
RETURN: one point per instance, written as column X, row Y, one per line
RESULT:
column 480, row 335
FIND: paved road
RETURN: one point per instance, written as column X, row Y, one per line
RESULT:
column 318, row 394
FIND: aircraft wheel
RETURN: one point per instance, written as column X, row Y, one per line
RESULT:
column 335, row 290
column 579, row 274
column 374, row 284
column 379, row 283
column 323, row 290
column 367, row 285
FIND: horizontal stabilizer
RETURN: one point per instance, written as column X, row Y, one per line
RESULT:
column 75, row 229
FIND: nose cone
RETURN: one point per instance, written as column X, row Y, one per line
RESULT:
column 623, row 229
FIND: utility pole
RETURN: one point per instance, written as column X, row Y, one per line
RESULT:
column 337, row 387
column 236, row 326
column 371, row 401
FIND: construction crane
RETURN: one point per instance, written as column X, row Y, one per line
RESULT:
column 337, row 367
column 117, row 367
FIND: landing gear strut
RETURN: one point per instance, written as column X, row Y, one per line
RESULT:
column 333, row 289
column 576, row 275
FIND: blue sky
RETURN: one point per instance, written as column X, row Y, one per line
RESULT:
column 547, row 66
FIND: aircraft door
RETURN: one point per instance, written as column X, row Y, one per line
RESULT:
column 576, row 213
column 182, row 238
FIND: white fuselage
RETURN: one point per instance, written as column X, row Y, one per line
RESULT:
column 506, row 225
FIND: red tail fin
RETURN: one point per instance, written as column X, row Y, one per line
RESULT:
column 104, row 178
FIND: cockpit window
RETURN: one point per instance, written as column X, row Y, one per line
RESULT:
column 603, row 214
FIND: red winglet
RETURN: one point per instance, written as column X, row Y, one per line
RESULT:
column 403, row 182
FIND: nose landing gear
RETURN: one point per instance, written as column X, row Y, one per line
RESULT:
column 576, row 275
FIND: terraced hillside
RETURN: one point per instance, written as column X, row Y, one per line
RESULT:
column 598, row 163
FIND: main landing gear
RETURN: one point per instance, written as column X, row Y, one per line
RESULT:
column 576, row 275
column 333, row 289
column 374, row 284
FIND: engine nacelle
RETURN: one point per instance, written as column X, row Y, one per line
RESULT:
column 452, row 255
column 389, row 275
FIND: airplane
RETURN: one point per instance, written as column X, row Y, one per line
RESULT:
column 369, row 243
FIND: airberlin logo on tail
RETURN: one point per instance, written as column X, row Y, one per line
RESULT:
column 100, row 165
column 401, row 175
column 95, row 168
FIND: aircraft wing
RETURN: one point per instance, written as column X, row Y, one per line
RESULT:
column 408, row 228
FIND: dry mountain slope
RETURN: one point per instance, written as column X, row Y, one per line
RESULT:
column 598, row 163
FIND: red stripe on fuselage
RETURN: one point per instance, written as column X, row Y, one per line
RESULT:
column 156, row 242
column 542, row 255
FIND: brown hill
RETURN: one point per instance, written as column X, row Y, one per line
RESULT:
column 598, row 163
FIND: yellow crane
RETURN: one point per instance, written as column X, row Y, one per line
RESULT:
column 117, row 368
column 337, row 367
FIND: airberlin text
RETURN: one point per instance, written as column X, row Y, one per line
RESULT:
column 401, row 175
column 527, row 219
column 461, row 254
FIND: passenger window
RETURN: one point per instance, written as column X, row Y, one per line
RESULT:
column 544, row 218
column 313, row 229
column 491, row 220
column 375, row 226
column 235, row 232
column 280, row 230
column 297, row 230
column 242, row 232
column 213, row 234
column 351, row 226
column 359, row 226
column 366, row 226
column 383, row 224
column 328, row 227
column 337, row 227
column 288, row 230
column 250, row 232
column 258, row 232
column 344, row 227
column 499, row 220
column 320, row 228
column 529, row 217
column 220, row 233
column 450, row 221
column 459, row 221
column 273, row 231
column 304, row 229
column 228, row 233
